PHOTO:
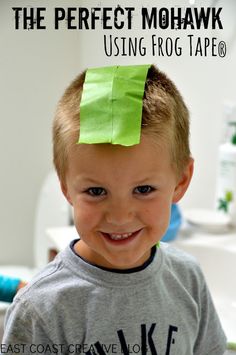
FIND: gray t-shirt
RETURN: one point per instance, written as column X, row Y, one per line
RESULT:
column 73, row 307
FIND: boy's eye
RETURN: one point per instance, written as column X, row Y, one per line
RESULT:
column 144, row 190
column 96, row 191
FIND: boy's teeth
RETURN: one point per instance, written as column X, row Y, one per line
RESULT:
column 119, row 236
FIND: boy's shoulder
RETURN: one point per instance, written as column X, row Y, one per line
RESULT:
column 175, row 255
column 51, row 280
column 183, row 267
column 177, row 258
column 43, row 281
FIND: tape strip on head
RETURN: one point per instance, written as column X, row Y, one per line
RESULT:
column 111, row 105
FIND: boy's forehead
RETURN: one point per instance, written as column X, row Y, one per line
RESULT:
column 144, row 157
column 106, row 150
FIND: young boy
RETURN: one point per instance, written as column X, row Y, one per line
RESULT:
column 116, row 290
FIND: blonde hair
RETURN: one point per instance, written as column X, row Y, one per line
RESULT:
column 165, row 116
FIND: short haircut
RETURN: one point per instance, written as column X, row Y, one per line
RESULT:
column 165, row 117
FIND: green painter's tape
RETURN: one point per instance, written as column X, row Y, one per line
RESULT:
column 111, row 105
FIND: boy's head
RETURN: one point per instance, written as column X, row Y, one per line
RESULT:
column 165, row 116
column 122, row 195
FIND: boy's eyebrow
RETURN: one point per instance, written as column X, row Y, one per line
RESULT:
column 96, row 182
column 147, row 179
column 86, row 179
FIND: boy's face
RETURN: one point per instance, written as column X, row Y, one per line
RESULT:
column 121, row 198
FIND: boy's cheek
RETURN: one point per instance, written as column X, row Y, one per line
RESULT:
column 85, row 216
column 158, row 215
column 158, row 208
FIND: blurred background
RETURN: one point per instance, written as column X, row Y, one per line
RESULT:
column 37, row 65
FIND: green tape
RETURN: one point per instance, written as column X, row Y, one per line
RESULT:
column 111, row 105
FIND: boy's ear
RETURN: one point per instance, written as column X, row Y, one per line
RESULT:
column 183, row 181
column 64, row 189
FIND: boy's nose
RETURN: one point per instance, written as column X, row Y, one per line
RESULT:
column 120, row 213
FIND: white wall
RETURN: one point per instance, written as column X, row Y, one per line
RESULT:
column 35, row 68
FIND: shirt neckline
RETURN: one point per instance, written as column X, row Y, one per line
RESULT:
column 105, row 278
column 118, row 271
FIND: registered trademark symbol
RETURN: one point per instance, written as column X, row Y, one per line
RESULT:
column 222, row 49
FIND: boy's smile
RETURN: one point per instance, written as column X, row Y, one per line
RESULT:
column 121, row 198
